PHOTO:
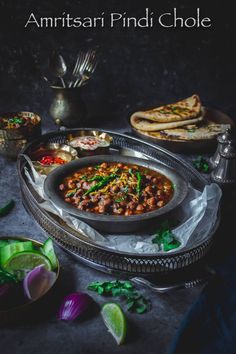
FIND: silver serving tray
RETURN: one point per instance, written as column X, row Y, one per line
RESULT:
column 100, row 257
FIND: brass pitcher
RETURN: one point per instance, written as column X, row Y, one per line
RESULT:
column 67, row 107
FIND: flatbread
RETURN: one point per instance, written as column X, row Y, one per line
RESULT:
column 183, row 110
column 145, row 125
column 209, row 130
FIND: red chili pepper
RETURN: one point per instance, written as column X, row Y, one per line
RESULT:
column 50, row 160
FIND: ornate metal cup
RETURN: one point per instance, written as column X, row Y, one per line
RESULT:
column 67, row 107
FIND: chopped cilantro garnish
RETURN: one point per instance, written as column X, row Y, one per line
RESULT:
column 134, row 300
column 201, row 164
column 165, row 238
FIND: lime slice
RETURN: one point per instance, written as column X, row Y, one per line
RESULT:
column 114, row 319
column 21, row 263
column 48, row 251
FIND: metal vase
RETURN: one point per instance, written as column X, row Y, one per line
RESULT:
column 67, row 107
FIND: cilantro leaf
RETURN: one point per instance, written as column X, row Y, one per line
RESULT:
column 135, row 301
column 201, row 165
column 165, row 238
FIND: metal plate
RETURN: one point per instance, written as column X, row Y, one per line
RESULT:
column 111, row 223
column 184, row 146
column 100, row 257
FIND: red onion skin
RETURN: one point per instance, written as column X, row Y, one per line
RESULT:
column 37, row 282
column 73, row 305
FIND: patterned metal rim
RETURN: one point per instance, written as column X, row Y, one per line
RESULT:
column 110, row 259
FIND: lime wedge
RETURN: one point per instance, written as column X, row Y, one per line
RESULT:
column 114, row 319
column 21, row 263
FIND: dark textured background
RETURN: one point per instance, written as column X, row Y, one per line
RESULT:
column 138, row 69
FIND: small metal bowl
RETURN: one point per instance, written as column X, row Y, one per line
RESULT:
column 13, row 140
column 100, row 150
column 25, row 311
column 111, row 223
column 65, row 152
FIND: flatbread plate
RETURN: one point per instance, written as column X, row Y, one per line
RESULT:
column 185, row 145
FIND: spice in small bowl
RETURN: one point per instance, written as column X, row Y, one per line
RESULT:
column 47, row 158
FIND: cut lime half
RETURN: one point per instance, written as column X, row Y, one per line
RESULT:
column 23, row 262
column 115, row 320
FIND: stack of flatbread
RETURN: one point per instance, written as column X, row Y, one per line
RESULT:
column 183, row 120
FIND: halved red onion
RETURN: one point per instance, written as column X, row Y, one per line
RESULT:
column 38, row 281
column 73, row 305
column 4, row 289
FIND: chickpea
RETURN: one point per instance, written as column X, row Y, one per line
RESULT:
column 128, row 212
column 160, row 203
column 131, row 205
column 80, row 207
column 71, row 184
column 101, row 209
column 154, row 180
column 117, row 209
column 107, row 202
column 62, row 187
column 151, row 201
column 148, row 189
column 68, row 200
column 140, row 207
column 85, row 202
column 103, row 165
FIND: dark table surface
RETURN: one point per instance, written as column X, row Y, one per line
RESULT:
column 49, row 335
column 138, row 69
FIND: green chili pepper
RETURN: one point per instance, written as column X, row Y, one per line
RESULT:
column 139, row 182
column 101, row 184
column 7, row 208
column 95, row 178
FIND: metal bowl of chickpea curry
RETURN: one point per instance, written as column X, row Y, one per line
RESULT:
column 114, row 193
